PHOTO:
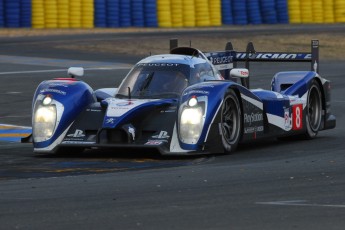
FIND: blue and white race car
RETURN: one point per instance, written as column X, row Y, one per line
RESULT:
column 182, row 103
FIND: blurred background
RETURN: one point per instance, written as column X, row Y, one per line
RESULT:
column 165, row 13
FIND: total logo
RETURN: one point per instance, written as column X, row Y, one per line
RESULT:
column 77, row 133
column 162, row 135
column 287, row 119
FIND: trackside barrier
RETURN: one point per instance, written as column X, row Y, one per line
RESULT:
column 165, row 13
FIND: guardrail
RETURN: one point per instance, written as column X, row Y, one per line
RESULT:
column 165, row 13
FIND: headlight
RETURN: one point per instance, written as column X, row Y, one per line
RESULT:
column 47, row 100
column 191, row 123
column 193, row 101
column 44, row 122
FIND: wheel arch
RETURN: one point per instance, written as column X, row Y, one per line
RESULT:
column 311, row 112
column 238, row 94
column 323, row 95
column 231, row 120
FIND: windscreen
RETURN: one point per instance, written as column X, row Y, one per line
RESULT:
column 155, row 80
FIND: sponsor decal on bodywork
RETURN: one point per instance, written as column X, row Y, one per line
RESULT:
column 154, row 142
column 118, row 107
column 53, row 91
column 161, row 135
column 57, row 84
column 77, row 133
column 110, row 120
column 170, row 109
column 292, row 120
column 79, row 142
column 282, row 56
column 287, row 119
column 253, row 117
column 222, row 60
column 159, row 139
column 196, row 92
column 159, row 64
column 79, row 137
column 93, row 110
column 253, row 129
column 297, row 115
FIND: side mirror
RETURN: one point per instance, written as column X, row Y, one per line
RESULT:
column 75, row 72
column 239, row 73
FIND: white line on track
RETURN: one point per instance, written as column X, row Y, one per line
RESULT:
column 38, row 61
column 59, row 70
column 301, row 203
column 61, row 64
column 14, row 126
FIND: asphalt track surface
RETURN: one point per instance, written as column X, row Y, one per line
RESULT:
column 268, row 185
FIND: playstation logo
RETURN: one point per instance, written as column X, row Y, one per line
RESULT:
column 77, row 133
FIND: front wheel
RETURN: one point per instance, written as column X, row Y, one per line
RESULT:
column 314, row 110
column 231, row 124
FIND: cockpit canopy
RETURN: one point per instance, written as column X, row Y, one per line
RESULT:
column 165, row 77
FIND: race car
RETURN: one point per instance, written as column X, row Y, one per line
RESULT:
column 182, row 103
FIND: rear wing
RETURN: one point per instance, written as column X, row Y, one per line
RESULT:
column 229, row 58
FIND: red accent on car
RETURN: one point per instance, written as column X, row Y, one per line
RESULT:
column 65, row 79
column 297, row 117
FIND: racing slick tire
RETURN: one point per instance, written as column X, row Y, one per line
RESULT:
column 313, row 110
column 231, row 122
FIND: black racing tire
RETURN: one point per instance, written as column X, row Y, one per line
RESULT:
column 230, row 122
column 313, row 110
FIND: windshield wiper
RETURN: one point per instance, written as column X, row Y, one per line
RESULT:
column 146, row 83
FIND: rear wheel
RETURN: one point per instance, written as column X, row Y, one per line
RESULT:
column 231, row 124
column 314, row 110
